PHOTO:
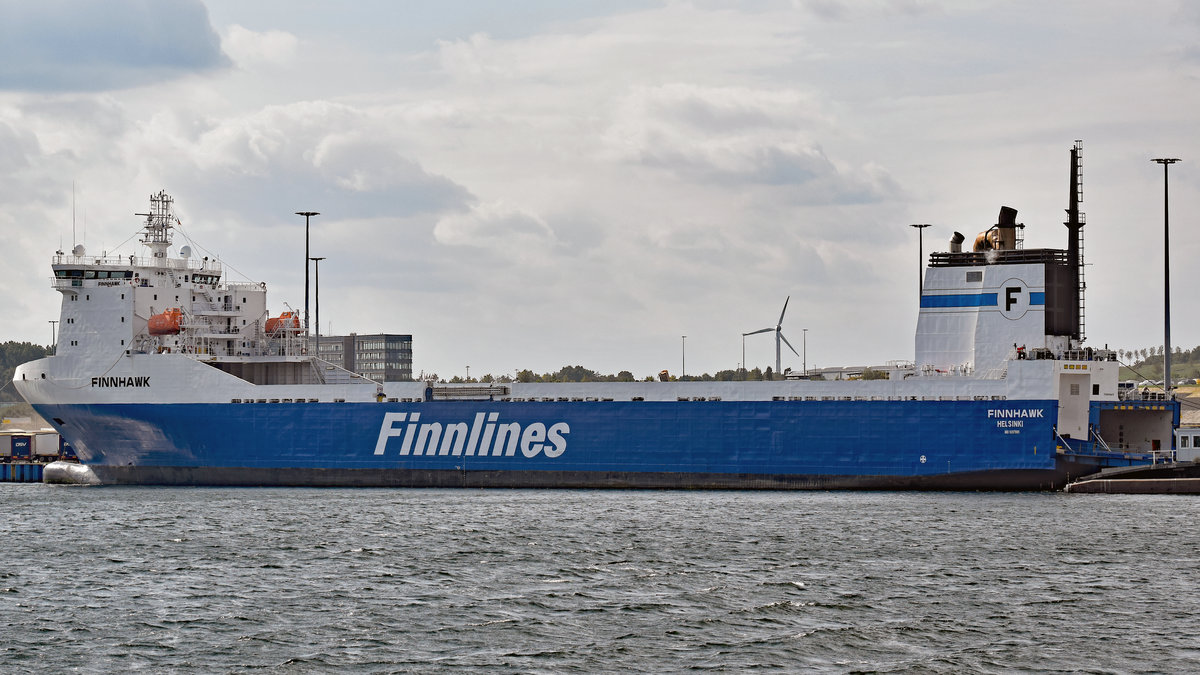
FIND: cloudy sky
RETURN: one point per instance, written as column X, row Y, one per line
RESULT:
column 532, row 184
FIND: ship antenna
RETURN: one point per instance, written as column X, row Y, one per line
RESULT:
column 157, row 231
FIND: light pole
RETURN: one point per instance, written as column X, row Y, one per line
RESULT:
column 804, row 349
column 53, row 339
column 743, row 356
column 307, row 215
column 1166, row 164
column 317, row 293
column 920, row 257
column 683, row 366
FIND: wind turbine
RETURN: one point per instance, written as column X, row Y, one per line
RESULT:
column 778, row 337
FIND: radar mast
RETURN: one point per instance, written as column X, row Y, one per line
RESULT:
column 157, row 230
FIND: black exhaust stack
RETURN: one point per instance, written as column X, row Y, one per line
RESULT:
column 1075, row 242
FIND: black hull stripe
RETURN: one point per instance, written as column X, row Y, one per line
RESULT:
column 1006, row 480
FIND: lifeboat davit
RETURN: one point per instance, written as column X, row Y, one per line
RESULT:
column 288, row 322
column 166, row 323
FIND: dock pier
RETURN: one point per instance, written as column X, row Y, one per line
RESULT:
column 1178, row 478
column 21, row 472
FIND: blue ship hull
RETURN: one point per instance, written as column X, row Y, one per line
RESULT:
column 644, row 444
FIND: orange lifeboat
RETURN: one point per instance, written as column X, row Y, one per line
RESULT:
column 166, row 323
column 288, row 322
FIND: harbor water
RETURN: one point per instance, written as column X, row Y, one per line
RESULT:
column 379, row 581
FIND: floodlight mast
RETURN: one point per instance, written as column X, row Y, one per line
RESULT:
column 920, row 258
column 1166, row 164
column 307, row 215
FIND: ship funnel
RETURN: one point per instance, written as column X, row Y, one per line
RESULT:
column 956, row 242
column 985, row 241
column 1006, row 229
column 1002, row 236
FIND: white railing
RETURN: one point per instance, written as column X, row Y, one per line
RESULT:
column 199, row 265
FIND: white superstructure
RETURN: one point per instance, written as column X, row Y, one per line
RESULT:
column 168, row 328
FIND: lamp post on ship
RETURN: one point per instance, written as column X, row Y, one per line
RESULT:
column 920, row 257
column 804, row 349
column 743, row 373
column 307, row 215
column 317, row 293
column 53, row 338
column 683, row 364
column 1166, row 165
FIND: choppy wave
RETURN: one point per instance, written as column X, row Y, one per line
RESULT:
column 299, row 580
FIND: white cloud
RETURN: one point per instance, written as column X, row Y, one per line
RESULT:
column 494, row 225
column 721, row 133
column 83, row 46
column 249, row 48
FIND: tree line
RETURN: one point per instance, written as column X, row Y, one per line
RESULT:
column 1135, row 357
column 13, row 354
column 581, row 374
column 1147, row 363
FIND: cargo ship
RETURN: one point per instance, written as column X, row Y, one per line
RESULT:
column 168, row 373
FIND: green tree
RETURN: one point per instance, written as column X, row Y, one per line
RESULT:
column 13, row 354
column 575, row 374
